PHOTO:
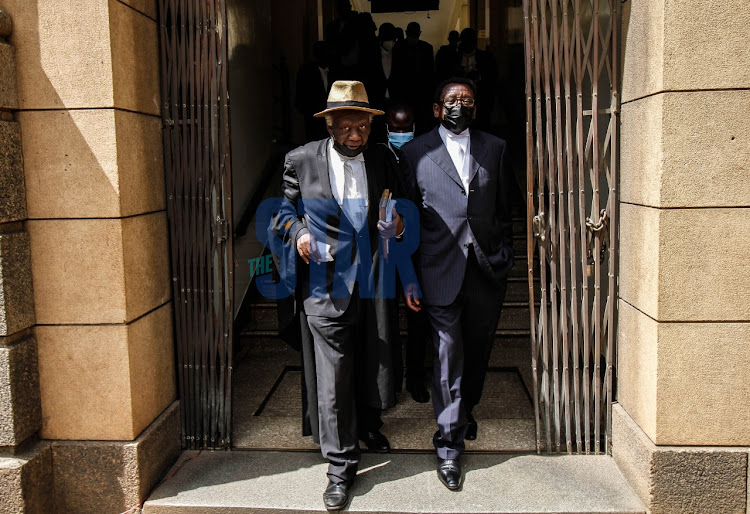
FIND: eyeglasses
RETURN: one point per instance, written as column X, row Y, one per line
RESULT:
column 452, row 102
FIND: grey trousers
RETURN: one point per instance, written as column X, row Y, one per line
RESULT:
column 343, row 412
column 462, row 334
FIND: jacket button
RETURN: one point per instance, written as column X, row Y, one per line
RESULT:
column 466, row 245
column 463, row 193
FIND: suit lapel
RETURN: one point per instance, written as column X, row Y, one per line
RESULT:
column 437, row 151
column 374, row 189
column 324, row 178
column 478, row 151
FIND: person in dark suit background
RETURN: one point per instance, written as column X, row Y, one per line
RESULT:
column 313, row 83
column 331, row 190
column 445, row 59
column 400, row 130
column 399, row 34
column 480, row 67
column 414, row 70
column 457, row 176
column 381, row 79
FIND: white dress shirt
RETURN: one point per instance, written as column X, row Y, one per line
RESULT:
column 459, row 148
column 355, row 207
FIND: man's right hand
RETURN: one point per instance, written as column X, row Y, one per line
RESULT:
column 307, row 248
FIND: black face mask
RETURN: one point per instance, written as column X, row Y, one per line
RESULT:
column 458, row 118
column 346, row 151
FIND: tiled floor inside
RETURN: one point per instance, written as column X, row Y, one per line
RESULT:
column 267, row 403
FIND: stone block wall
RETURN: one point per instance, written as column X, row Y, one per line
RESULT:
column 25, row 463
column 680, row 429
column 87, row 374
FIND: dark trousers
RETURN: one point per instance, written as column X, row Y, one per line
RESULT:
column 416, row 344
column 463, row 334
column 342, row 411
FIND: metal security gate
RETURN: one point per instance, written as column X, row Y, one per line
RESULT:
column 572, row 116
column 198, row 178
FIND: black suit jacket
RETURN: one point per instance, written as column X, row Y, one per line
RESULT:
column 310, row 206
column 311, row 93
column 413, row 71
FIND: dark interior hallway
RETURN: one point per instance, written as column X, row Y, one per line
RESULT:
column 270, row 43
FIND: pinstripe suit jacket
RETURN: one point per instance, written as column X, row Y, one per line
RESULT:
column 447, row 211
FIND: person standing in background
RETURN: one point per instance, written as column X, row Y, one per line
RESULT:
column 381, row 78
column 445, row 60
column 313, row 84
column 400, row 130
column 414, row 67
column 481, row 68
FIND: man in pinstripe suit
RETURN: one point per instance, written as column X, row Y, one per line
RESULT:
column 457, row 178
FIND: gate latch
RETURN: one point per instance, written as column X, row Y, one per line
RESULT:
column 598, row 228
column 540, row 226
column 222, row 229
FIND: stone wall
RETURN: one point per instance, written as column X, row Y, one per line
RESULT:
column 680, row 430
column 25, row 464
column 89, row 238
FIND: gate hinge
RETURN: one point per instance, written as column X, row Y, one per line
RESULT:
column 222, row 228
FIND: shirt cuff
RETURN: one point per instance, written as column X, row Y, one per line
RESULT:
column 400, row 237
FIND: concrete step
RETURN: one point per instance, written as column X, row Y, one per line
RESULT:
column 273, row 482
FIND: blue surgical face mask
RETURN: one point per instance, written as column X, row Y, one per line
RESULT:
column 399, row 139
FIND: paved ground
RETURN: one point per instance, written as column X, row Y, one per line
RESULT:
column 267, row 482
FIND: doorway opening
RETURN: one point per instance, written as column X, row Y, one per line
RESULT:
column 268, row 44
column 557, row 59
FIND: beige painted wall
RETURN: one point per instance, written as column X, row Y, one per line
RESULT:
column 683, row 340
column 435, row 25
column 88, row 83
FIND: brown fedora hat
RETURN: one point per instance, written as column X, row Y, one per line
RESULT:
column 348, row 95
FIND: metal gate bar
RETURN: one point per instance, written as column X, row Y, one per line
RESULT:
column 571, row 49
column 198, row 179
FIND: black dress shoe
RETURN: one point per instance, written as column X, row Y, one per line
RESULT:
column 336, row 496
column 375, row 442
column 471, row 428
column 418, row 391
column 449, row 473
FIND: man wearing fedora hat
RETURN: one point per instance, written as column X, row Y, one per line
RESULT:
column 330, row 215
